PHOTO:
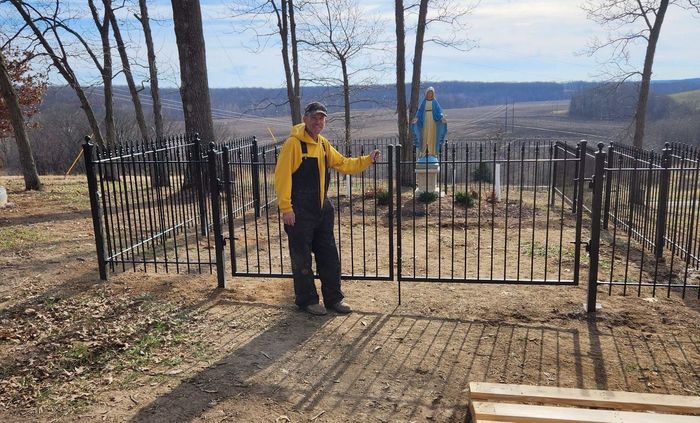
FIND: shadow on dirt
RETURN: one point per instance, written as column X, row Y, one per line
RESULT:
column 404, row 367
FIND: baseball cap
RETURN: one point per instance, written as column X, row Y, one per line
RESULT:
column 315, row 107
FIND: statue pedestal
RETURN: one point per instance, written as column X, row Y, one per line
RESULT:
column 427, row 178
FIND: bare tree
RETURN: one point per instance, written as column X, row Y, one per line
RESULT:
column 105, row 68
column 126, row 69
column 344, row 35
column 619, row 14
column 435, row 13
column 401, row 108
column 152, row 68
column 9, row 96
column 282, row 13
column 450, row 13
column 51, row 23
column 194, row 88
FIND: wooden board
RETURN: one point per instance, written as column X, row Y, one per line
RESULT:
column 523, row 413
column 618, row 400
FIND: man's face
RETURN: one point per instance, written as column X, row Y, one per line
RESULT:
column 429, row 96
column 315, row 123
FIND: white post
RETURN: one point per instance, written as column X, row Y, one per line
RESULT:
column 347, row 185
column 497, row 183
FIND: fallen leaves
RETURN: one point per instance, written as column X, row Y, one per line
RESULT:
column 67, row 348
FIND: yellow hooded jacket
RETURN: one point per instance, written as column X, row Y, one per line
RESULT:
column 290, row 157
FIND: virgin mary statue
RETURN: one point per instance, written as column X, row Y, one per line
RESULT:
column 429, row 128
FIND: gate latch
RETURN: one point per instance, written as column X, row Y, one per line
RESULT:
column 587, row 243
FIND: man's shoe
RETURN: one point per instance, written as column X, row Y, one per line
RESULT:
column 315, row 309
column 341, row 307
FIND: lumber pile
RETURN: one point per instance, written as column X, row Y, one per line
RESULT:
column 491, row 402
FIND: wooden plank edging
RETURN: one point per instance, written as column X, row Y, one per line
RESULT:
column 618, row 400
column 524, row 413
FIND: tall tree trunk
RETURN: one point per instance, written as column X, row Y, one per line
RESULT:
column 640, row 115
column 346, row 101
column 194, row 88
column 66, row 72
column 160, row 175
column 283, row 28
column 106, row 72
column 418, row 57
column 287, row 29
column 26, row 158
column 296, row 104
column 401, row 109
column 152, row 69
column 126, row 67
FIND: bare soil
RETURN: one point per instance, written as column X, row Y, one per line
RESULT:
column 172, row 347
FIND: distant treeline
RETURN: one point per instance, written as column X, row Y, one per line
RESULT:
column 272, row 101
column 619, row 102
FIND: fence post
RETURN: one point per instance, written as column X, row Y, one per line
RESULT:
column 228, row 182
column 398, row 217
column 662, row 205
column 608, row 187
column 255, row 170
column 96, row 209
column 199, row 184
column 443, row 153
column 578, row 174
column 594, row 243
column 553, row 175
column 214, row 187
column 577, row 207
column 390, row 193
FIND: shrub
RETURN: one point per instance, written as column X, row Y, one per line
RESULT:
column 482, row 172
column 465, row 199
column 427, row 197
column 383, row 197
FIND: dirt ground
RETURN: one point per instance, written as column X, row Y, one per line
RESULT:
column 169, row 347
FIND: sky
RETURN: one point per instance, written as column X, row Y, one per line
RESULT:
column 515, row 41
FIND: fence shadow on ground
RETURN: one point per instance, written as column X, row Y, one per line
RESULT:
column 395, row 366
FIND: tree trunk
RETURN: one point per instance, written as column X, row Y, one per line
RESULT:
column 346, row 101
column 401, row 110
column 194, row 88
column 102, row 25
column 152, row 70
column 160, row 175
column 26, row 158
column 296, row 104
column 66, row 72
column 283, row 28
column 126, row 67
column 640, row 115
column 418, row 57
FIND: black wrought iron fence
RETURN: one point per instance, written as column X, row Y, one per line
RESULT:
column 499, row 217
column 151, row 207
column 501, row 212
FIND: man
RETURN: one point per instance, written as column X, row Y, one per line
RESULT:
column 301, row 181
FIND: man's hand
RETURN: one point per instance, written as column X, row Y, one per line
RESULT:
column 288, row 218
column 375, row 155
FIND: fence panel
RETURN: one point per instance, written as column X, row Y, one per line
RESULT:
column 363, row 220
column 155, row 211
column 500, row 219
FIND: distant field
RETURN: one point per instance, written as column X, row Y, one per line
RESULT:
column 534, row 119
column 691, row 98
